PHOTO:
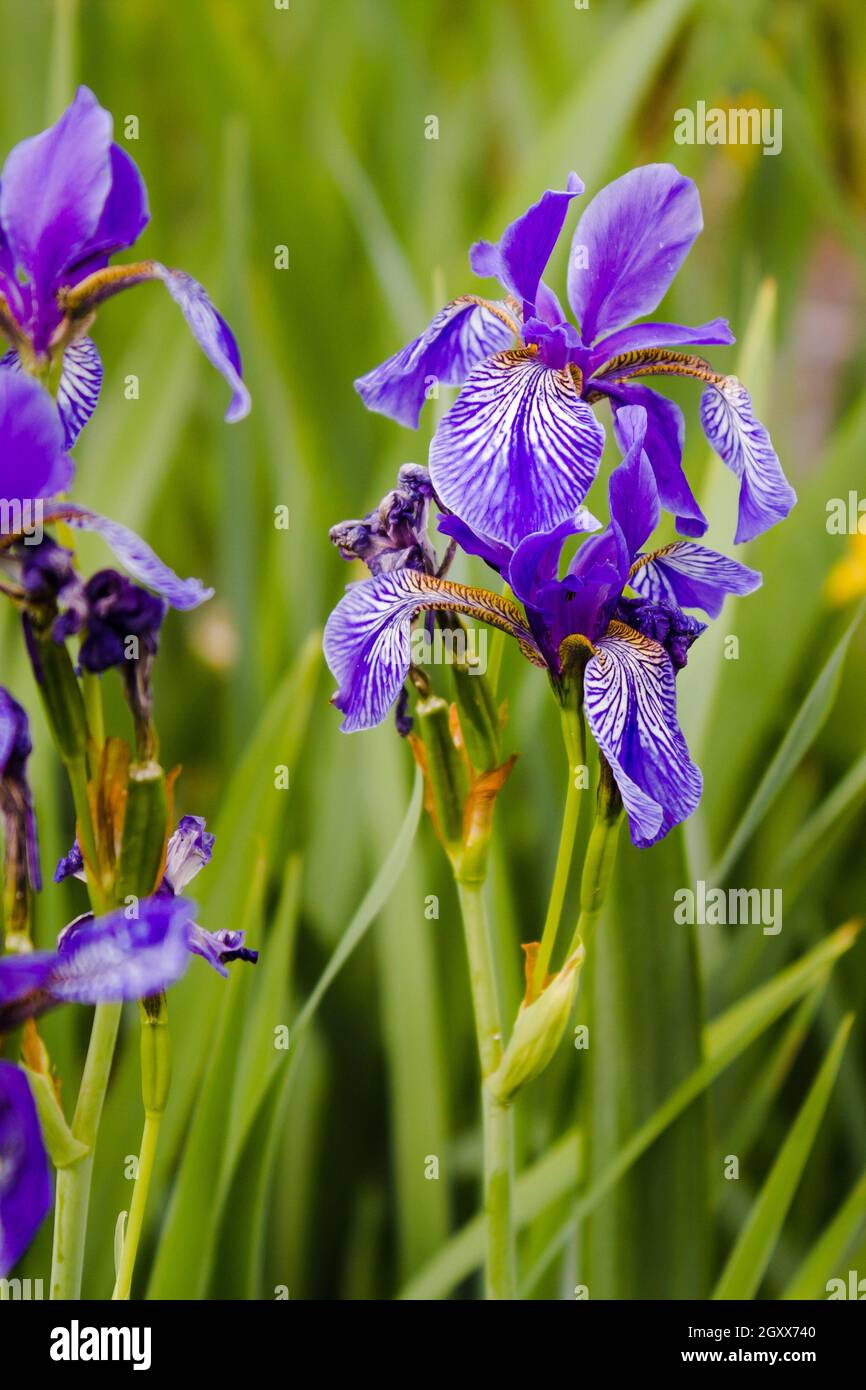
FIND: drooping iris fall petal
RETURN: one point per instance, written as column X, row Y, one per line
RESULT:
column 518, row 450
column 630, row 703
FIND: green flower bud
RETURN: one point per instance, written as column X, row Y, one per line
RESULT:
column 537, row 1032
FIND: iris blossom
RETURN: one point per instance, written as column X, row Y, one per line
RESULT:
column 630, row 647
column 70, row 198
column 100, row 960
column 188, row 851
column 25, row 1177
column 520, row 447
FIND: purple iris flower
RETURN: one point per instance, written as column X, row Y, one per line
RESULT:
column 189, row 850
column 70, row 198
column 16, row 800
column 632, row 647
column 520, row 447
column 25, row 1176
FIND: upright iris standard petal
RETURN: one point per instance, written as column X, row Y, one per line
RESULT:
column 519, row 258
column 663, row 443
column 628, row 246
column 535, row 562
column 211, row 332
column 79, row 387
column 458, row 338
column 25, row 1176
column 135, row 555
column 630, row 703
column 53, row 191
column 518, row 450
column 632, row 491
column 742, row 442
column 123, row 219
column 692, row 576
column 367, row 640
column 34, row 463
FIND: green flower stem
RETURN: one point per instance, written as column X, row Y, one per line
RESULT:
column 76, row 771
column 599, row 861
column 155, row 1080
column 146, row 1158
column 73, row 1183
column 574, row 736
column 500, row 1266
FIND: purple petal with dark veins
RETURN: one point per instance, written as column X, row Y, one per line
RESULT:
column 367, row 640
column 519, row 258
column 25, row 1177
column 211, row 332
column 115, row 958
column 458, row 338
column 744, row 445
column 79, row 387
column 630, row 703
column 135, row 555
column 34, row 463
column 692, row 576
column 518, row 450
column 189, row 851
column 628, row 245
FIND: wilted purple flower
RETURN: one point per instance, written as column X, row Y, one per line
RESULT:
column 101, row 959
column 520, row 447
column 189, row 851
column 630, row 649
column 16, row 806
column 25, row 1176
column 69, row 200
column 394, row 534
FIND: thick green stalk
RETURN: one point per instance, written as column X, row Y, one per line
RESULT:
column 73, row 1183
column 500, row 1264
column 155, row 1079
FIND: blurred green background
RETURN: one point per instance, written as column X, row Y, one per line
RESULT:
column 303, row 1170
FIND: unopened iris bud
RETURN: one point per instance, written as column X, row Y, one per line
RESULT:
column 445, row 772
column 139, row 868
column 537, row 1032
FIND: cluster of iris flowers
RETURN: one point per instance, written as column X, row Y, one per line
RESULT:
column 70, row 199
column 611, row 623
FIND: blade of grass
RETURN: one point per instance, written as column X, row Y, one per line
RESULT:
column 753, row 1250
column 799, row 737
column 725, row 1038
column 822, row 1261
